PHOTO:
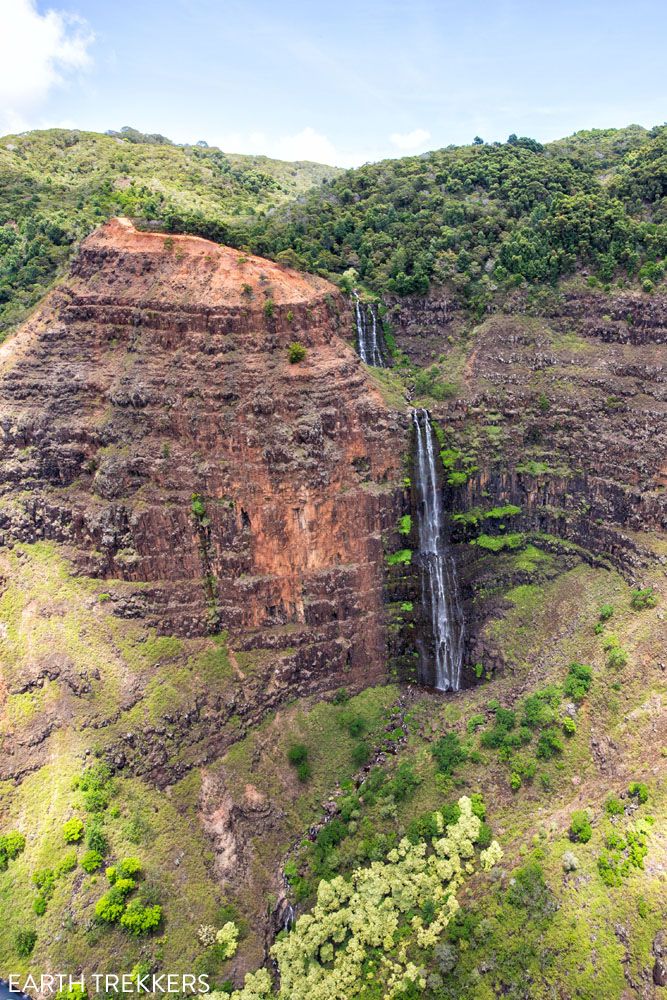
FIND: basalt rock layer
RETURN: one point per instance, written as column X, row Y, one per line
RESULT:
column 559, row 409
column 153, row 425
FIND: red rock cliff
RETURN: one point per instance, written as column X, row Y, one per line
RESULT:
column 159, row 371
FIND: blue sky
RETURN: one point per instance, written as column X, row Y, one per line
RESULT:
column 338, row 82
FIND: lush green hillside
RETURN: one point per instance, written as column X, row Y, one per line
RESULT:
column 484, row 218
column 57, row 185
column 480, row 219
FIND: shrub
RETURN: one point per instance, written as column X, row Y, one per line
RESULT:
column 110, row 907
column 539, row 708
column 617, row 657
column 449, row 753
column 68, row 864
column 303, row 771
column 91, row 861
column 341, row 697
column 11, row 845
column 269, row 308
column 484, row 837
column 95, row 839
column 296, row 352
column 128, row 868
column 24, row 942
column 605, row 613
column 353, row 722
column 474, row 722
column 95, row 784
column 548, row 745
column 580, row 827
column 569, row 726
column 613, row 806
column 360, row 754
column 578, row 681
column 140, row 919
column 570, row 862
column 73, row 992
column 642, row 598
column 639, row 791
column 405, row 524
column 422, row 828
column 73, row 831
column 496, row 735
column 403, row 783
column 529, row 890
column 609, row 870
column 297, row 754
column 44, row 879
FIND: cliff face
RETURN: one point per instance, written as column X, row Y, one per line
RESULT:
column 153, row 425
column 559, row 408
column 564, row 412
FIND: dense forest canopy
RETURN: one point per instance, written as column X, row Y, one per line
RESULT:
column 485, row 217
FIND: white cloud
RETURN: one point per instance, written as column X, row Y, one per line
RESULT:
column 308, row 144
column 410, row 140
column 39, row 51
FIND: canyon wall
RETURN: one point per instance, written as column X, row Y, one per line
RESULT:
column 154, row 427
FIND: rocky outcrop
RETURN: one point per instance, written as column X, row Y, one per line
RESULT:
column 153, row 425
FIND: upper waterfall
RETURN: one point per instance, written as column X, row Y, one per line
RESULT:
column 440, row 591
column 369, row 333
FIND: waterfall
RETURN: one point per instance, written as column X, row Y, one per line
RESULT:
column 369, row 336
column 440, row 591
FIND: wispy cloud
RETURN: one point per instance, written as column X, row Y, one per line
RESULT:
column 306, row 144
column 408, row 141
column 39, row 52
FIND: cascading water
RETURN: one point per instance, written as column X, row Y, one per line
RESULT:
column 440, row 591
column 369, row 334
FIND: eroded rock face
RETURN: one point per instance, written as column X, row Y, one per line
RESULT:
column 152, row 423
column 565, row 412
column 560, row 409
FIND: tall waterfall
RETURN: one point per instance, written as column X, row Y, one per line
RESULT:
column 440, row 591
column 369, row 333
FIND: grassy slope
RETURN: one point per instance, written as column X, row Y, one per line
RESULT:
column 570, row 943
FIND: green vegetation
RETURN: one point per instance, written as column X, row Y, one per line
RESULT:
column 297, row 755
column 296, row 352
column 358, row 930
column 478, row 218
column 643, row 598
column 401, row 558
column 25, row 942
column 448, row 753
column 405, row 524
column 639, row 791
column 73, row 831
column 580, row 827
column 578, row 681
column 496, row 543
column 60, row 184
column 11, row 845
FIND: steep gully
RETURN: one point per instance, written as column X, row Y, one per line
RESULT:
column 441, row 652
